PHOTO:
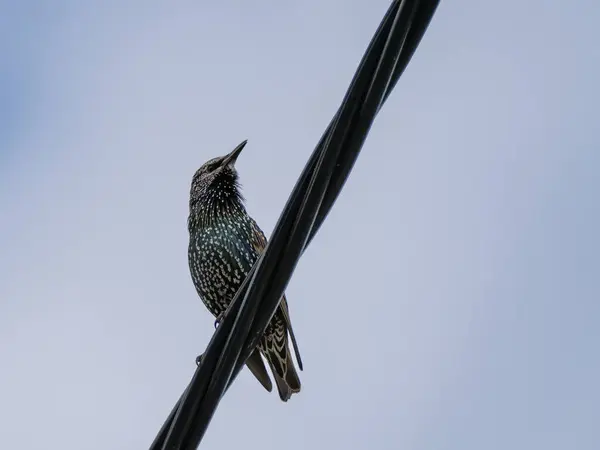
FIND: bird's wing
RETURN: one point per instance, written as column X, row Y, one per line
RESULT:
column 286, row 315
column 259, row 244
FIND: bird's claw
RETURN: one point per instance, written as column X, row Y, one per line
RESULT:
column 199, row 359
column 219, row 319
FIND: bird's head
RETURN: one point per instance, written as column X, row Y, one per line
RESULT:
column 215, row 183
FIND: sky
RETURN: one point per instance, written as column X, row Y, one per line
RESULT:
column 450, row 300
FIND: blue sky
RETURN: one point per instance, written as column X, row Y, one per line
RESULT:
column 450, row 301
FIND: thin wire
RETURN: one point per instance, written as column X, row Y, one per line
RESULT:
column 313, row 196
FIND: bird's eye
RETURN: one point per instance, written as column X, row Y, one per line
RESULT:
column 211, row 167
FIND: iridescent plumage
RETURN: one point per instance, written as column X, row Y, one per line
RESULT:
column 225, row 242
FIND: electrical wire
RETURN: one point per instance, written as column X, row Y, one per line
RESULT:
column 319, row 185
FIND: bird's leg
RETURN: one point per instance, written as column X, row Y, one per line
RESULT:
column 222, row 315
column 219, row 319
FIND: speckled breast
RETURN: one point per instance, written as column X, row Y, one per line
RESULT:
column 219, row 256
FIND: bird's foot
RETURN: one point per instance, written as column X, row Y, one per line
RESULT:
column 219, row 319
column 199, row 359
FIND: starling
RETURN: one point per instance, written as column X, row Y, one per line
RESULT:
column 225, row 242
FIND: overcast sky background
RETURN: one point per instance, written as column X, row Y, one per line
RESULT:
column 450, row 301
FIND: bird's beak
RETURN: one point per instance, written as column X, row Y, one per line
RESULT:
column 232, row 157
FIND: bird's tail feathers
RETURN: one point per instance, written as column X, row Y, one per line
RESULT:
column 258, row 369
column 282, row 365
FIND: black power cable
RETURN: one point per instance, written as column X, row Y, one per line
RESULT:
column 313, row 196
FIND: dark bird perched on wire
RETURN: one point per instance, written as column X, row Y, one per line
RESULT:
column 225, row 242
